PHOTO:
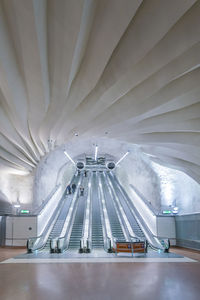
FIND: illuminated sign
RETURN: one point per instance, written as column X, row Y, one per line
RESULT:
column 24, row 211
column 167, row 211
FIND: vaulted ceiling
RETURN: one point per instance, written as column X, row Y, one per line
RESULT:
column 122, row 69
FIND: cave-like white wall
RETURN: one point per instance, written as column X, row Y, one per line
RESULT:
column 159, row 185
column 163, row 187
column 136, row 170
column 178, row 190
column 17, row 189
column 127, row 70
column 53, row 169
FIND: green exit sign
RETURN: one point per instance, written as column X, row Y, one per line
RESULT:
column 167, row 212
column 24, row 211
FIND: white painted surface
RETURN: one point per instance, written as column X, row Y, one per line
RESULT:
column 19, row 229
column 166, row 227
column 9, row 227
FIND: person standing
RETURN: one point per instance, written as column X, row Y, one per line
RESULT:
column 73, row 187
column 81, row 190
column 68, row 189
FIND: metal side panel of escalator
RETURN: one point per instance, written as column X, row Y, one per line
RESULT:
column 129, row 214
column 117, row 231
column 97, row 231
column 77, row 228
column 57, row 228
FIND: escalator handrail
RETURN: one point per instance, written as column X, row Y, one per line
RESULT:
column 90, row 219
column 116, row 199
column 39, row 209
column 106, row 204
column 153, row 211
column 82, row 236
column 66, row 237
column 104, row 224
column 54, row 241
column 49, row 225
column 106, row 238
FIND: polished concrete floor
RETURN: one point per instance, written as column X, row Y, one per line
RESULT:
column 100, row 281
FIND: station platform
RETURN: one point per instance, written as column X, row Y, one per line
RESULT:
column 97, row 256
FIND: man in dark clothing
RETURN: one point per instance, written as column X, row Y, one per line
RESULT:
column 81, row 190
column 68, row 189
column 73, row 187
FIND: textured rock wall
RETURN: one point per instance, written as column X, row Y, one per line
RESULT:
column 53, row 169
column 16, row 189
column 178, row 189
column 136, row 170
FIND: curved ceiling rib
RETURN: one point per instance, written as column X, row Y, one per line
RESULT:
column 127, row 68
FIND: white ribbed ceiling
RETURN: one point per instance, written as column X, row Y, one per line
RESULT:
column 122, row 69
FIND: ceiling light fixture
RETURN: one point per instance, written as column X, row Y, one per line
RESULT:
column 17, row 205
column 68, row 156
column 122, row 157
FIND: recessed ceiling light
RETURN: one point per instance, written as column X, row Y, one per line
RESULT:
column 76, row 134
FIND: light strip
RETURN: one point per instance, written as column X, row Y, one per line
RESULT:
column 87, row 212
column 69, row 157
column 105, row 213
column 96, row 151
column 122, row 157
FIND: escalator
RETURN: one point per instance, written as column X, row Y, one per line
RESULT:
column 141, row 229
column 116, row 228
column 126, row 207
column 77, row 228
column 57, row 228
column 97, row 230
